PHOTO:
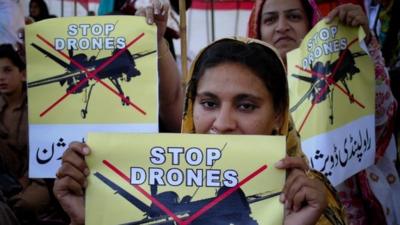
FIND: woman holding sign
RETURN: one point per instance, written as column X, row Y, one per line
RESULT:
column 284, row 24
column 231, row 92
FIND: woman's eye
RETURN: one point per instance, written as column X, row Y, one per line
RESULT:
column 294, row 17
column 269, row 20
column 247, row 107
column 208, row 104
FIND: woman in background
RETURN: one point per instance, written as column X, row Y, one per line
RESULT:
column 38, row 10
column 369, row 197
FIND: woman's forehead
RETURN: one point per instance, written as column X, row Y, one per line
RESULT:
column 230, row 77
column 282, row 5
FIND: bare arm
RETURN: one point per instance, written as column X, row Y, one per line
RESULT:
column 170, row 89
column 171, row 93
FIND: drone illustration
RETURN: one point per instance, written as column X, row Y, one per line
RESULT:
column 234, row 209
column 323, row 76
column 123, row 68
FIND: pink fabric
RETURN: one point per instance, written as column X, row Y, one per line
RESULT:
column 361, row 203
column 253, row 30
column 358, row 188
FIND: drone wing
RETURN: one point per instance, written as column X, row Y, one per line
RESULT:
column 165, row 219
column 358, row 54
column 304, row 78
column 261, row 196
column 143, row 54
column 126, row 195
column 59, row 78
column 307, row 94
column 51, row 56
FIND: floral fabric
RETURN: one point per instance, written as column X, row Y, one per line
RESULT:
column 371, row 196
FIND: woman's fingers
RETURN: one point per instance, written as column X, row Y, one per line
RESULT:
column 300, row 190
column 351, row 15
column 155, row 11
column 332, row 14
column 73, row 168
column 299, row 197
column 164, row 8
column 75, row 154
column 295, row 181
column 149, row 14
column 314, row 196
column 296, row 167
column 68, row 170
column 291, row 163
column 339, row 11
column 157, row 7
column 80, row 148
column 347, row 13
column 342, row 15
column 66, row 186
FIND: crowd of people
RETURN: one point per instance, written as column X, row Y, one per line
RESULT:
column 237, row 86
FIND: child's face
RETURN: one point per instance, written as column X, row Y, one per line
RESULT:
column 11, row 77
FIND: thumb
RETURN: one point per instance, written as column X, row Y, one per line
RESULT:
column 331, row 15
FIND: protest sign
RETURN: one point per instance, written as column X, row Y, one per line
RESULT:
column 88, row 74
column 184, row 179
column 332, row 99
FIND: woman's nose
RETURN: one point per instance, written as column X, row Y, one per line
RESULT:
column 282, row 25
column 225, row 121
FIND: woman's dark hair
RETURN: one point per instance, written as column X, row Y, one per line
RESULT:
column 258, row 58
column 308, row 9
column 43, row 12
column 7, row 51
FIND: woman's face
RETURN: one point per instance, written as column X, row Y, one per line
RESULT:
column 231, row 99
column 34, row 9
column 283, row 24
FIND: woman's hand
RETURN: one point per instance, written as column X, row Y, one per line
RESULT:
column 351, row 15
column 304, row 197
column 71, row 181
column 156, row 12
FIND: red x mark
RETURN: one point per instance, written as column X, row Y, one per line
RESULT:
column 198, row 213
column 329, row 82
column 92, row 75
